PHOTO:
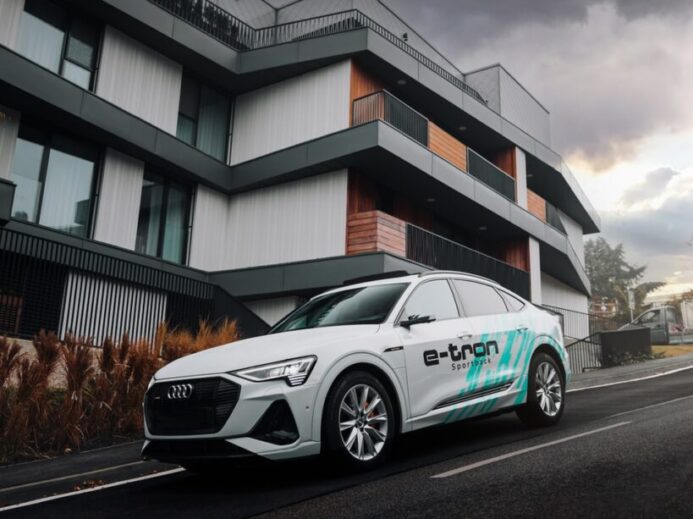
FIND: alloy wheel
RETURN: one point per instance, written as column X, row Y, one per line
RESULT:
column 363, row 422
column 548, row 387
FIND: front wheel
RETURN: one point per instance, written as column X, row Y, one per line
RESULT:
column 359, row 423
column 545, row 393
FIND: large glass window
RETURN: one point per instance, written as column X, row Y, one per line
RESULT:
column 203, row 118
column 55, row 177
column 432, row 299
column 479, row 299
column 162, row 227
column 64, row 44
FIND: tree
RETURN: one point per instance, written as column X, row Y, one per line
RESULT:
column 611, row 276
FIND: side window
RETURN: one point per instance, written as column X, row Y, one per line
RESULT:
column 433, row 298
column 650, row 317
column 513, row 303
column 671, row 316
column 479, row 299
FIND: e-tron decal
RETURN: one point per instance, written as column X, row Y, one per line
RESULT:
column 458, row 355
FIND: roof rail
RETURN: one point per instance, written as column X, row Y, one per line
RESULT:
column 432, row 272
column 376, row 277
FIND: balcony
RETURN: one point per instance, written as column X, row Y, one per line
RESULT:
column 222, row 25
column 375, row 231
column 385, row 107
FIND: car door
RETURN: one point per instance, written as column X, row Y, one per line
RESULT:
column 654, row 320
column 427, row 346
column 501, row 336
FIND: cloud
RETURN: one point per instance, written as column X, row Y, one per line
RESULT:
column 612, row 72
column 652, row 187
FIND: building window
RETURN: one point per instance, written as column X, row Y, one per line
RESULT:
column 204, row 118
column 162, row 227
column 49, row 36
column 55, row 180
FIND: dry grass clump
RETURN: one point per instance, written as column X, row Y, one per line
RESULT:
column 101, row 400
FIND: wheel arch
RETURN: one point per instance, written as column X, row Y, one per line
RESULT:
column 360, row 362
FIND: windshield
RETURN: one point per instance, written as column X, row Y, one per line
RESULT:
column 364, row 305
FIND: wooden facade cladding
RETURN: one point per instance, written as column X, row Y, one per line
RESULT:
column 517, row 254
column 448, row 147
column 505, row 160
column 375, row 231
column 362, row 84
column 536, row 205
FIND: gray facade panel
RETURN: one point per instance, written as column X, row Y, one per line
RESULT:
column 528, row 221
column 488, row 198
column 444, row 88
column 453, row 177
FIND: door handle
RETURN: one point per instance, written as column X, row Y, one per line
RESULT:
column 464, row 335
column 521, row 328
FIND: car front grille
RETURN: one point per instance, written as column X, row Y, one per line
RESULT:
column 204, row 410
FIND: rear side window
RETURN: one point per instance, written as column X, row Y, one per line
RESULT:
column 433, row 298
column 479, row 299
column 513, row 303
column 671, row 316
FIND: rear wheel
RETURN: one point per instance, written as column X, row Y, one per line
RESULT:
column 359, row 421
column 545, row 393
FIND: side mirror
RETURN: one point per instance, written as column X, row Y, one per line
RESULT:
column 416, row 319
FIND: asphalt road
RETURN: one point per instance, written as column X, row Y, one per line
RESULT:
column 620, row 451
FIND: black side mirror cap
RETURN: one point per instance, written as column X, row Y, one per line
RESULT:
column 416, row 319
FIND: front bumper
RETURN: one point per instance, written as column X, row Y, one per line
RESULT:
column 244, row 434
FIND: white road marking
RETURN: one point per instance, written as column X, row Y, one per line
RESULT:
column 94, row 489
column 472, row 466
column 71, row 476
column 651, row 406
column 631, row 380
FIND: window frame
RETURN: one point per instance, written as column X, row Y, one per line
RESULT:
column 166, row 183
column 460, row 310
column 71, row 16
column 47, row 138
column 200, row 84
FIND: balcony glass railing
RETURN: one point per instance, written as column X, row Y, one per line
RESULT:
column 491, row 175
column 553, row 219
column 385, row 106
column 438, row 252
column 235, row 33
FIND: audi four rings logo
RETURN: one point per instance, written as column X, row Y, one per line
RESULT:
column 180, row 392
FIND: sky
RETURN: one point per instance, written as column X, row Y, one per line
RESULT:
column 617, row 77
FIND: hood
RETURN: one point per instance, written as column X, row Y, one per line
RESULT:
column 263, row 350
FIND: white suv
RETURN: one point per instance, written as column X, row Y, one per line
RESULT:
column 353, row 367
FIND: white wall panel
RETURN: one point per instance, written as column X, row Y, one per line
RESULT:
column 535, row 284
column 9, row 128
column 272, row 310
column 210, row 226
column 291, row 111
column 300, row 220
column 574, row 231
column 521, row 177
column 97, row 307
column 139, row 80
column 521, row 108
column 555, row 293
column 119, row 200
column 10, row 14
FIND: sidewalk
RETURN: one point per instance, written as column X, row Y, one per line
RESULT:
column 629, row 372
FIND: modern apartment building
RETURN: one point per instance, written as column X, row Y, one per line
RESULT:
column 178, row 159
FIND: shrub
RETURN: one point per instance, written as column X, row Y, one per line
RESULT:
column 100, row 400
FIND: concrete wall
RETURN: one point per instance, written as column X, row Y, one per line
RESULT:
column 300, row 220
column 10, row 14
column 291, row 111
column 119, row 200
column 272, row 310
column 575, row 236
column 140, row 80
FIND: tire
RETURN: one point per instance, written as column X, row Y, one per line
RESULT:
column 545, row 399
column 358, row 440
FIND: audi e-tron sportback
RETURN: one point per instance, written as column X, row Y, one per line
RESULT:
column 348, row 371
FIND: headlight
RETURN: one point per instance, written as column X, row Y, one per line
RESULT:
column 294, row 371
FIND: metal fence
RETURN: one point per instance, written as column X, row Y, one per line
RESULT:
column 57, row 287
column 491, row 175
column 441, row 253
column 225, row 27
column 385, row 106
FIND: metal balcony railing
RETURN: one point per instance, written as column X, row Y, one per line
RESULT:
column 235, row 33
column 491, row 175
column 441, row 253
column 383, row 105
